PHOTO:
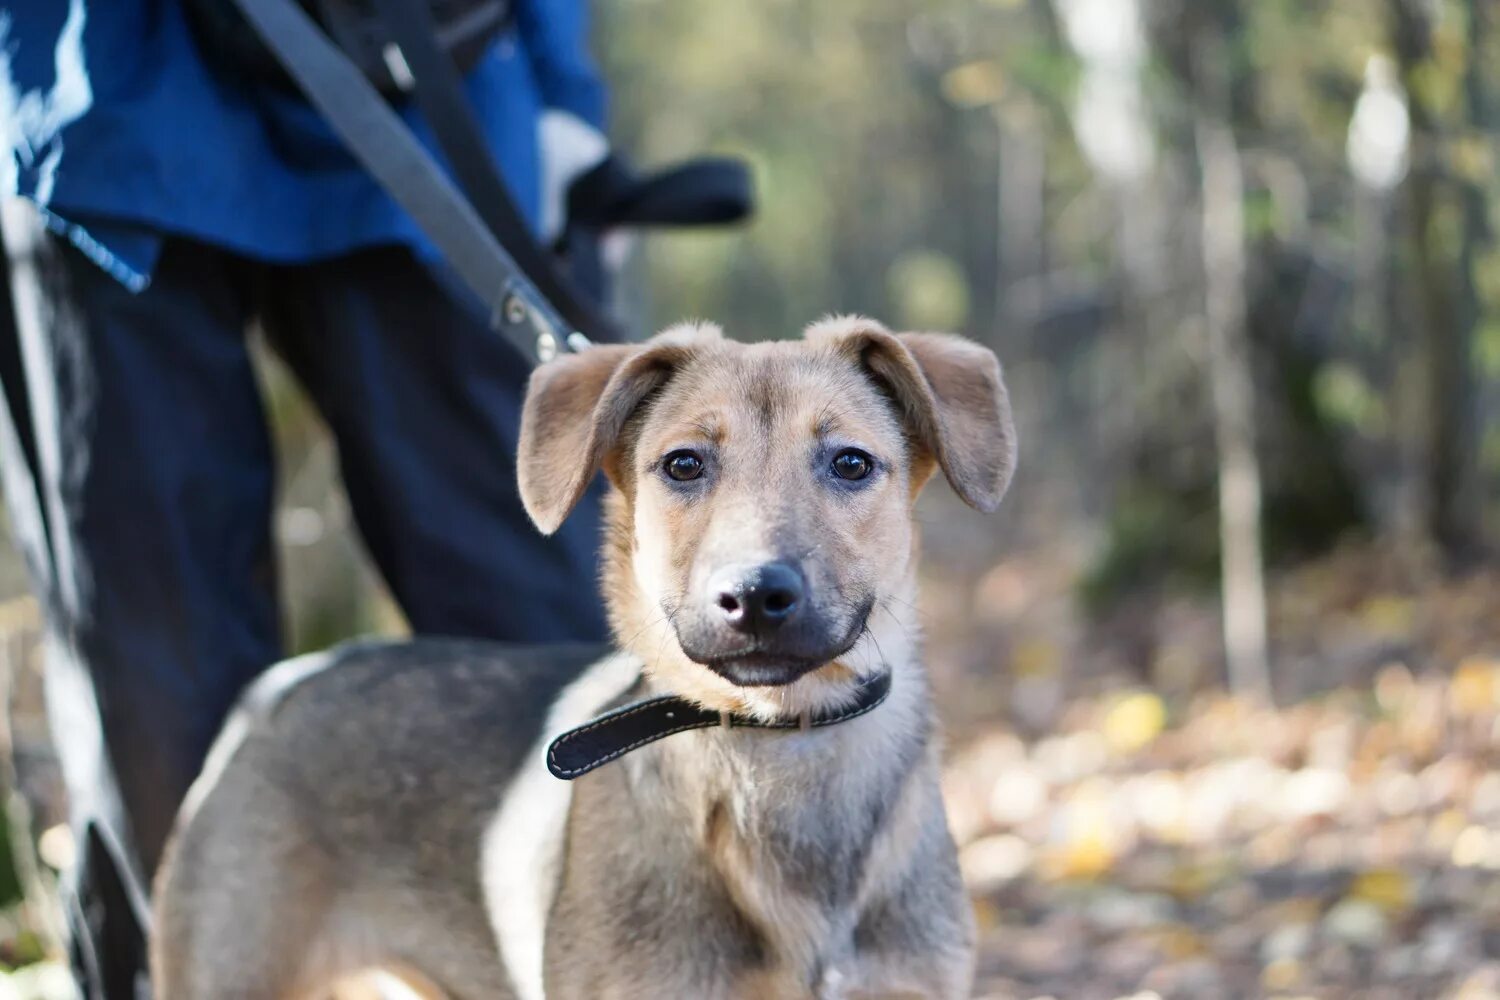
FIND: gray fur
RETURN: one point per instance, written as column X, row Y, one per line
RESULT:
column 387, row 803
column 341, row 833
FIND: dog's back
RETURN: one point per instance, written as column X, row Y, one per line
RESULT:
column 331, row 827
column 394, row 804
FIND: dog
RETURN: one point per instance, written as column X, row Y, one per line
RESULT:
column 756, row 810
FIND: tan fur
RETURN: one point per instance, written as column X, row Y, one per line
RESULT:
column 951, row 412
column 342, row 825
column 957, row 416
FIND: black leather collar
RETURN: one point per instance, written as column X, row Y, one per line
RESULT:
column 615, row 734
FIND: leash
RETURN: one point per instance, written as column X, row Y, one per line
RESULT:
column 439, row 91
column 532, row 307
column 614, row 734
column 484, row 237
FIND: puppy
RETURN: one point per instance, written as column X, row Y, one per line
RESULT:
column 739, row 799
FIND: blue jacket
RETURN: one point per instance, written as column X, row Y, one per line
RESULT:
column 122, row 132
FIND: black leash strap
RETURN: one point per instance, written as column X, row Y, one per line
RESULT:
column 385, row 147
column 438, row 88
column 615, row 734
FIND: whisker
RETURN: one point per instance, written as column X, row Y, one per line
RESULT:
column 904, row 603
column 656, row 660
column 883, row 661
column 665, row 616
column 910, row 635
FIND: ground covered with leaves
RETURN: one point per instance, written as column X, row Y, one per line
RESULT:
column 1343, row 845
column 1129, row 830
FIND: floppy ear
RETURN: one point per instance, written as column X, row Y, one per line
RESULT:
column 576, row 407
column 953, row 398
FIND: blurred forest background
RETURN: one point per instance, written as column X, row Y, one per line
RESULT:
column 1222, row 680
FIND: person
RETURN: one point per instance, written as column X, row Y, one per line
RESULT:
column 158, row 203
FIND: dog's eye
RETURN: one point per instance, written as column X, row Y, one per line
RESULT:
column 851, row 463
column 683, row 466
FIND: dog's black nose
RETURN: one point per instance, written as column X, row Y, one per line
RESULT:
column 757, row 598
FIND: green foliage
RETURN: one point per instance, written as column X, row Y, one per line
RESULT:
column 872, row 130
column 928, row 292
column 1487, row 349
column 10, row 883
column 1345, row 396
column 874, row 126
column 1157, row 540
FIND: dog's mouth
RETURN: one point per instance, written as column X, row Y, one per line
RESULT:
column 764, row 669
column 760, row 663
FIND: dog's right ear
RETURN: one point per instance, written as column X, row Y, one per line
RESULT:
column 576, row 407
column 951, row 393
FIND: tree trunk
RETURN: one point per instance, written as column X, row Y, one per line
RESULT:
column 1448, row 437
column 1231, row 376
column 1463, row 520
column 1020, row 249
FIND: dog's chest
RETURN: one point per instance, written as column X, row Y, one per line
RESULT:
column 700, row 867
column 726, row 897
column 649, row 912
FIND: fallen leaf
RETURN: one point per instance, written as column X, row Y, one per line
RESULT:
column 1387, row 888
column 1134, row 721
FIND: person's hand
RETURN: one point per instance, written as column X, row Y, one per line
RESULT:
column 570, row 147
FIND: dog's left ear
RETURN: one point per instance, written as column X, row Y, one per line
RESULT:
column 576, row 407
column 953, row 398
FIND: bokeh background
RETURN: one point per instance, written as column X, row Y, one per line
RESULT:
column 1222, row 679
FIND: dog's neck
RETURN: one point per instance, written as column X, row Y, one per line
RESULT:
column 799, row 826
column 802, row 829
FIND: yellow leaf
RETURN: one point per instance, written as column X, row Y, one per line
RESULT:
column 1189, row 882
column 1445, row 828
column 1179, row 942
column 1034, row 658
column 1282, row 974
column 1472, row 157
column 1475, row 687
column 1295, row 910
column 986, row 914
column 974, row 84
column 1387, row 615
column 1134, row 721
column 1086, row 858
column 1387, row 888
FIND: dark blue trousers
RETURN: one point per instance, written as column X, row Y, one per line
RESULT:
column 145, row 512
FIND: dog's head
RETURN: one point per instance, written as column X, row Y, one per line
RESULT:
column 760, row 527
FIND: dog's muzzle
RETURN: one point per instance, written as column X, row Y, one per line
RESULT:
column 759, row 625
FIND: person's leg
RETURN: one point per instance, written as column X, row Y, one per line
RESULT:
column 425, row 403
column 156, row 570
